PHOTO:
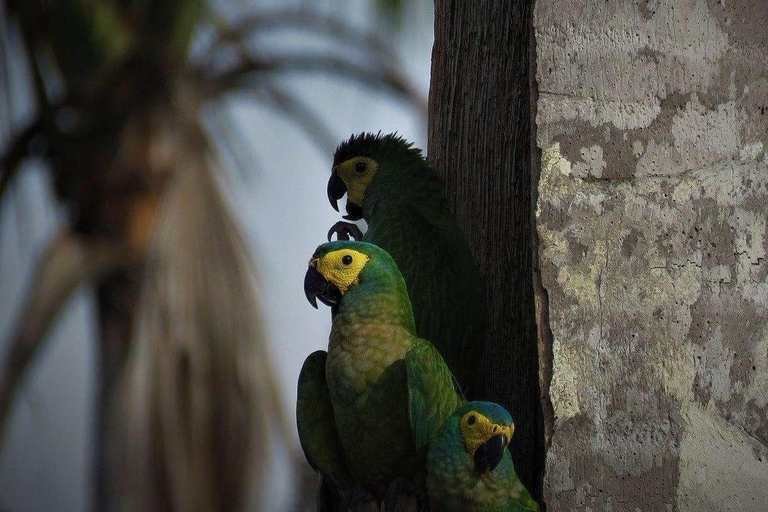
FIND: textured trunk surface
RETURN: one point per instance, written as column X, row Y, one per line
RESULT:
column 653, row 122
column 480, row 138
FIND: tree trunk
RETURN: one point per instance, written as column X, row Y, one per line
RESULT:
column 653, row 121
column 480, row 139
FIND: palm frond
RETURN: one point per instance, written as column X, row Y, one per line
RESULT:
column 199, row 381
column 66, row 263
column 388, row 80
column 306, row 20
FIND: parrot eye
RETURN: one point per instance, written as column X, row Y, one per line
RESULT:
column 346, row 259
column 360, row 167
column 472, row 420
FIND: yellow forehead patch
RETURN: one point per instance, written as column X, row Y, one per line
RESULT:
column 357, row 173
column 476, row 429
column 342, row 267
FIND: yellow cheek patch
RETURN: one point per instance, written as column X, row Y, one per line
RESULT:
column 341, row 268
column 476, row 429
column 355, row 180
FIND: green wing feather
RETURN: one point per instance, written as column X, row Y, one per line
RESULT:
column 444, row 284
column 317, row 427
column 432, row 392
column 518, row 498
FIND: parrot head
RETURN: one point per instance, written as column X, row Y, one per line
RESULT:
column 486, row 430
column 337, row 267
column 364, row 160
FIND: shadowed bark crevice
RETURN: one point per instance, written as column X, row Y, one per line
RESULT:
column 543, row 329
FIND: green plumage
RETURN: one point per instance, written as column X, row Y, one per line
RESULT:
column 376, row 369
column 408, row 217
column 453, row 483
column 317, row 427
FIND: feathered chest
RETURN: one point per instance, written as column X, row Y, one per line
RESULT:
column 359, row 353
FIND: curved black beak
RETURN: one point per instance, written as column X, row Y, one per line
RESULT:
column 354, row 212
column 336, row 190
column 489, row 454
column 317, row 287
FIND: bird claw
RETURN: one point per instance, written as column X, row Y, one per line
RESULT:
column 343, row 231
column 357, row 499
column 404, row 496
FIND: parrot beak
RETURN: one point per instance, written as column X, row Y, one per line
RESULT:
column 336, row 190
column 317, row 287
column 354, row 212
column 489, row 454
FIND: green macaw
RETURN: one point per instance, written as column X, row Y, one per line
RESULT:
column 390, row 185
column 367, row 408
column 469, row 467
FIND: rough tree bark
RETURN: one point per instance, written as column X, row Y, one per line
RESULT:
column 653, row 121
column 480, row 134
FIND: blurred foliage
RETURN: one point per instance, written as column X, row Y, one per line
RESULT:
column 116, row 117
column 391, row 10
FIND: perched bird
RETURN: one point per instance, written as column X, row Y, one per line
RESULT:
column 355, row 402
column 469, row 467
column 390, row 184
